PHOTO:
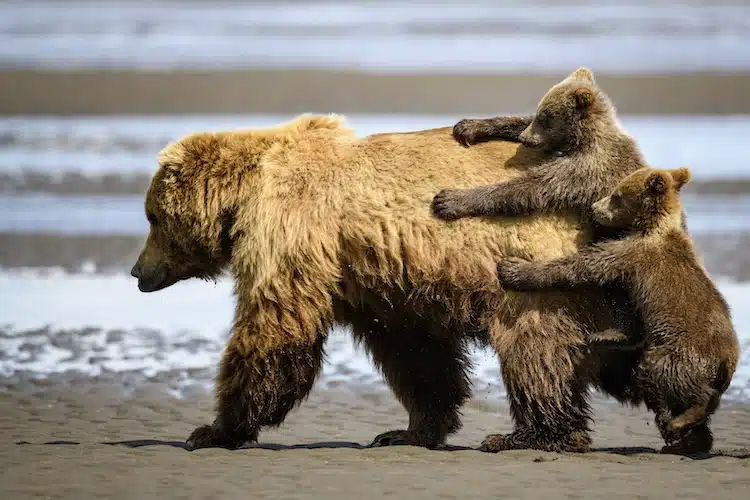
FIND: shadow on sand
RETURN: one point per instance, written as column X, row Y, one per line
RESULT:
column 742, row 453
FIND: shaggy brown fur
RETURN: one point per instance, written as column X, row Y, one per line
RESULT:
column 319, row 227
column 691, row 347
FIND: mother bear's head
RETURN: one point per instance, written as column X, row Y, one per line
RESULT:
column 191, row 204
column 189, row 216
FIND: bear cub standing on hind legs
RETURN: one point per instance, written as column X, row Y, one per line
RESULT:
column 691, row 348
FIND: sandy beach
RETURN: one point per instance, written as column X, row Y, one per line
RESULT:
column 100, row 445
column 104, row 92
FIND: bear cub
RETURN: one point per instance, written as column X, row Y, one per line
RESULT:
column 585, row 153
column 691, row 348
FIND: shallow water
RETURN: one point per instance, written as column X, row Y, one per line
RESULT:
column 446, row 35
column 712, row 146
column 94, row 325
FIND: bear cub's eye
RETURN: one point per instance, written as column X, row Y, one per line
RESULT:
column 543, row 118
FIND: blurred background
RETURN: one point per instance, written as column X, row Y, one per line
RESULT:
column 90, row 91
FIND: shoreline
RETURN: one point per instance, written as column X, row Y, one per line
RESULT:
column 147, row 92
column 723, row 253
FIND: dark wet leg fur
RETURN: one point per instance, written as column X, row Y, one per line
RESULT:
column 427, row 372
column 558, row 423
column 694, row 437
column 565, row 429
column 662, row 419
column 697, row 439
column 255, row 391
column 682, row 422
column 429, row 378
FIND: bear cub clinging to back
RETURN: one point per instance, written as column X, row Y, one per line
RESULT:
column 585, row 153
column 691, row 348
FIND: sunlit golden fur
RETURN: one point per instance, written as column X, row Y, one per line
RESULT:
column 319, row 226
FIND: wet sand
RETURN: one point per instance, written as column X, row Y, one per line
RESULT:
column 108, row 446
column 101, row 92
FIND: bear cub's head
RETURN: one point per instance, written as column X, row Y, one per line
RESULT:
column 570, row 115
column 643, row 200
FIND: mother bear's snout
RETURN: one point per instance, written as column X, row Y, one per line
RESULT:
column 136, row 271
column 151, row 271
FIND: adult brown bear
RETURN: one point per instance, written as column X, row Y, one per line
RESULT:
column 319, row 226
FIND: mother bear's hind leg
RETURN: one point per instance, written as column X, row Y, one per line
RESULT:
column 543, row 362
column 428, row 374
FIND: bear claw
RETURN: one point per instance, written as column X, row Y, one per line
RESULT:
column 400, row 438
column 465, row 132
column 208, row 436
column 494, row 443
column 446, row 205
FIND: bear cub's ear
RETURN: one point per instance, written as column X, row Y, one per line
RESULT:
column 656, row 183
column 680, row 176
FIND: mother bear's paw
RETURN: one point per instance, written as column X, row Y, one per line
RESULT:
column 577, row 442
column 210, row 436
column 494, row 443
column 404, row 438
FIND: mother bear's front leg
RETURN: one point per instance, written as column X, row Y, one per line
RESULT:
column 262, row 376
